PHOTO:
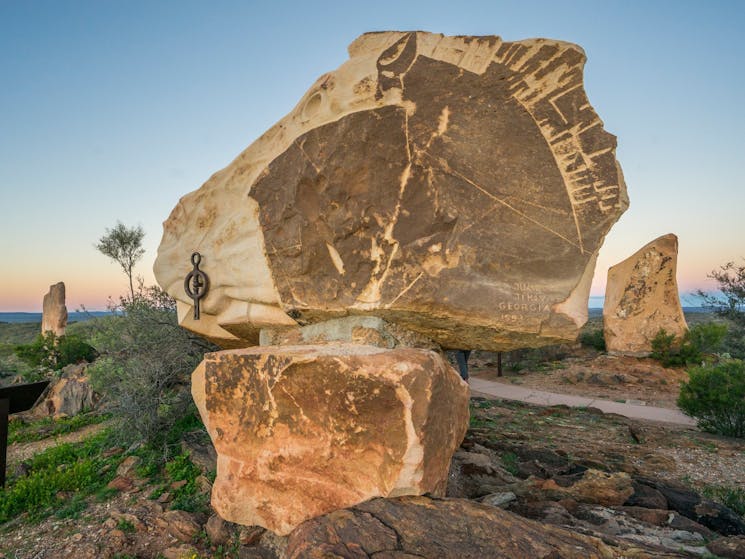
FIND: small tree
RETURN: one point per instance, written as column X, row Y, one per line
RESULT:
column 124, row 245
column 731, row 305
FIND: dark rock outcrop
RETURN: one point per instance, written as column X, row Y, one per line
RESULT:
column 409, row 527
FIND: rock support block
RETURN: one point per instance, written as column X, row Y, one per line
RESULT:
column 304, row 430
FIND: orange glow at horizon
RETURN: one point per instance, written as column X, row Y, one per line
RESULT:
column 91, row 288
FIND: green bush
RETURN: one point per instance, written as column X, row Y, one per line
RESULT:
column 673, row 352
column 715, row 396
column 698, row 342
column 72, row 349
column 734, row 341
column 50, row 352
column 707, row 337
column 593, row 338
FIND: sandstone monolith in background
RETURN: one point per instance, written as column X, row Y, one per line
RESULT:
column 459, row 187
column 641, row 297
column 54, row 311
column 304, row 430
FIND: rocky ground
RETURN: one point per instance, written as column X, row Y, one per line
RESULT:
column 527, row 481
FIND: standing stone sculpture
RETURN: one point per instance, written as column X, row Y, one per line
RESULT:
column 54, row 311
column 641, row 297
column 432, row 192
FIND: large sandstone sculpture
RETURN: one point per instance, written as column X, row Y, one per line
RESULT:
column 54, row 311
column 459, row 187
column 432, row 192
column 304, row 430
column 641, row 297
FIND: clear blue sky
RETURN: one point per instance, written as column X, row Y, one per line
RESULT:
column 113, row 110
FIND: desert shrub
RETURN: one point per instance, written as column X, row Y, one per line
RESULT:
column 701, row 340
column 734, row 341
column 730, row 302
column 50, row 352
column 715, row 396
column 672, row 351
column 707, row 337
column 145, row 365
column 593, row 338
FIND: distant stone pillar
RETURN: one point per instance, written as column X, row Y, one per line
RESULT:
column 54, row 317
column 641, row 297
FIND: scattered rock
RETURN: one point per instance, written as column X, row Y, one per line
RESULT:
column 202, row 455
column 729, row 548
column 203, row 484
column 121, row 483
column 249, row 535
column 704, row 511
column 274, row 544
column 646, row 496
column 217, row 530
column 602, row 488
column 499, row 499
column 128, row 466
column 655, row 517
column 181, row 525
column 641, row 297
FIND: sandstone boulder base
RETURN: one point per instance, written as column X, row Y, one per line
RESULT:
column 459, row 187
column 641, row 297
column 410, row 527
column 304, row 430
column 54, row 311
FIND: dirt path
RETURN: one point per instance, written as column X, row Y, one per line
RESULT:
column 18, row 452
column 543, row 398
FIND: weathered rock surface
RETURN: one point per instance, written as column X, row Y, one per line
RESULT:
column 409, row 527
column 460, row 187
column 54, row 311
column 364, row 330
column 70, row 395
column 303, row 430
column 690, row 504
column 641, row 297
column 730, row 548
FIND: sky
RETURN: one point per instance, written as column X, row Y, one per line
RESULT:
column 113, row 110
